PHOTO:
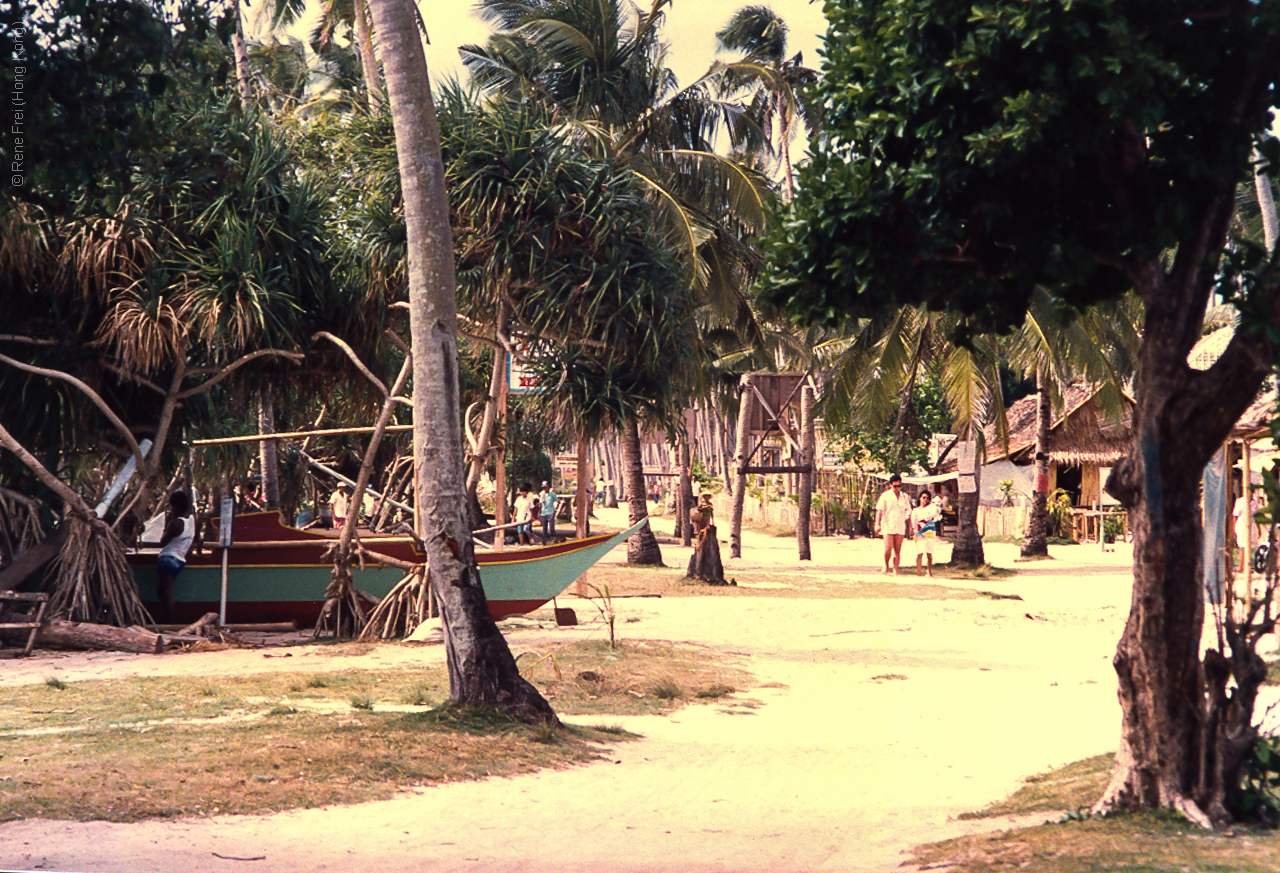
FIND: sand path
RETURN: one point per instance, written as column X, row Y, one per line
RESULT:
column 880, row 721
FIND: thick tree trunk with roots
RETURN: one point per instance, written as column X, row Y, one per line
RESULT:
column 482, row 670
column 1036, row 543
column 642, row 548
column 1183, row 734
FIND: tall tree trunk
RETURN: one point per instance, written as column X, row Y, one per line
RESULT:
column 268, row 455
column 1183, row 734
column 740, row 459
column 581, row 497
column 642, row 548
column 241, row 53
column 1036, row 543
column 494, row 407
column 1266, row 203
column 684, row 486
column 482, row 670
column 373, row 85
column 967, row 550
column 808, row 449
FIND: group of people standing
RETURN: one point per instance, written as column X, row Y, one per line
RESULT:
column 897, row 519
column 528, row 506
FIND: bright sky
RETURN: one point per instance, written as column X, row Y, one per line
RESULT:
column 690, row 29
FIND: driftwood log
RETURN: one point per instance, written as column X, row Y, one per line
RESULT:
column 56, row 633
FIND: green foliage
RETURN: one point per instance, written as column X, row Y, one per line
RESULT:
column 872, row 446
column 1258, row 798
column 975, row 152
column 99, row 74
column 1060, row 513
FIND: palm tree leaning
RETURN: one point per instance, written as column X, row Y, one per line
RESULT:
column 482, row 670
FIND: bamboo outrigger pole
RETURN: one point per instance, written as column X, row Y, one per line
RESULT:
column 335, row 431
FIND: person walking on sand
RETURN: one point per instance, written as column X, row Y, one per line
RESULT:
column 893, row 513
column 924, row 527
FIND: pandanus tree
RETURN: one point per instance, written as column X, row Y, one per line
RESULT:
column 598, row 70
column 148, row 290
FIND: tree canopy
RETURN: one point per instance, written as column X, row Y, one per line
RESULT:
column 975, row 151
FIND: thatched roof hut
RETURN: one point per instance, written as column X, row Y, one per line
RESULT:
column 1083, row 434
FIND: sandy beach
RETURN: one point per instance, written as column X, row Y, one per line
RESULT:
column 880, row 720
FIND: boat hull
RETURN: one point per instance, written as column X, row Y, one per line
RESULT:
column 278, row 574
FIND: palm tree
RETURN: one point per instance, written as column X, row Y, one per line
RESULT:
column 874, row 372
column 597, row 69
column 1100, row 346
column 761, row 34
column 482, row 670
column 336, row 16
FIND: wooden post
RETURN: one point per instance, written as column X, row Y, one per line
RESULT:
column 1246, row 461
column 746, row 400
column 500, row 467
column 807, row 446
column 684, row 487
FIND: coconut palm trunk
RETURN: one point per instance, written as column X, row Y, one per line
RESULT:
column 268, row 457
column 482, row 670
column 642, row 548
column 1036, row 543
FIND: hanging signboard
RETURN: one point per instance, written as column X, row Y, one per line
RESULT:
column 521, row 378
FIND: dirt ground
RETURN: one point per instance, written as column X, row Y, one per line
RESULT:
column 879, row 721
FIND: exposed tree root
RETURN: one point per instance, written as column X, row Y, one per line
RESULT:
column 91, row 579
column 406, row 606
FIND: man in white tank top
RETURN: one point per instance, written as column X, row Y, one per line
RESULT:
column 174, row 545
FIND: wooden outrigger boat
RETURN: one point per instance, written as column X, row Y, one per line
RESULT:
column 276, row 573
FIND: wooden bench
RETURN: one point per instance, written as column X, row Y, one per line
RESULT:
column 36, row 601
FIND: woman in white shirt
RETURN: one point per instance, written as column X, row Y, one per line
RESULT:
column 924, row 526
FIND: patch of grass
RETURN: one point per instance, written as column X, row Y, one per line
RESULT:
column 986, row 571
column 590, row 678
column 1074, row 786
column 419, row 696
column 1146, row 843
column 55, row 682
column 130, row 749
column 993, row 595
column 666, row 688
column 715, row 692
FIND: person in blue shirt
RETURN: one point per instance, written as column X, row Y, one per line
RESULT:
column 547, row 503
